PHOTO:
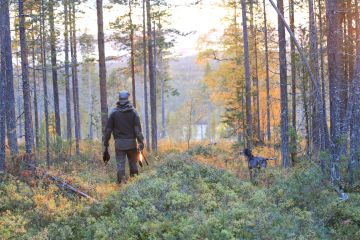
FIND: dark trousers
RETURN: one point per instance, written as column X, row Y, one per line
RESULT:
column 132, row 156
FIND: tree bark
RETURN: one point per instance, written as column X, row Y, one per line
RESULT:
column 152, row 80
column 283, row 89
column 249, row 130
column 44, row 76
column 36, row 114
column 293, row 82
column 25, row 79
column 355, row 116
column 75, row 77
column 146, row 103
column 267, row 74
column 132, row 54
column 54, row 68
column 8, row 76
column 2, row 119
column 102, row 66
column 335, row 80
column 322, row 68
column 67, row 72
column 314, row 63
column 256, row 75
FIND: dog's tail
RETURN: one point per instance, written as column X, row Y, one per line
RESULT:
column 271, row 159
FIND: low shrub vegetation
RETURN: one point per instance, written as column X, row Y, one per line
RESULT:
column 183, row 198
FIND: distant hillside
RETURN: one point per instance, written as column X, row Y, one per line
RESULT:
column 186, row 76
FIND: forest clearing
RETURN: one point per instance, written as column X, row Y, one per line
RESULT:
column 166, row 119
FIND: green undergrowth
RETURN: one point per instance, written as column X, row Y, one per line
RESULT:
column 184, row 199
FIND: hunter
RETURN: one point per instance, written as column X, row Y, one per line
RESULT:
column 124, row 124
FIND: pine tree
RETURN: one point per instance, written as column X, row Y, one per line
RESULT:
column 146, row 101
column 247, row 77
column 267, row 74
column 283, row 89
column 102, row 66
column 2, row 119
column 336, row 77
column 152, row 79
column 74, row 70
column 44, row 78
column 67, row 71
column 8, row 76
column 25, row 79
column 54, row 67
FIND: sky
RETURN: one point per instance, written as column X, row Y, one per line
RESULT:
column 198, row 19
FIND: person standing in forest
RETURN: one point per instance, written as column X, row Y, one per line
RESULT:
column 124, row 124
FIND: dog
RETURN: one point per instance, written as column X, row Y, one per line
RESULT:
column 255, row 163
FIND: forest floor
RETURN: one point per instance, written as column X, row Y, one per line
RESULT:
column 200, row 193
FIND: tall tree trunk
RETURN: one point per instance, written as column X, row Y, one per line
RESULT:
column 152, row 80
column 247, row 78
column 132, row 54
column 8, row 76
column 163, row 116
column 25, row 79
column 91, row 132
column 314, row 81
column 304, row 91
column 146, row 103
column 75, row 76
column 36, row 114
column 102, row 66
column 293, row 81
column 267, row 74
column 335, row 81
column 256, row 75
column 67, row 72
column 318, row 121
column 54, row 68
column 162, row 82
column 322, row 68
column 2, row 118
column 355, row 116
column 44, row 76
column 283, row 89
column 19, row 99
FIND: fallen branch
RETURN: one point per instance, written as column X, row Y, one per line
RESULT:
column 61, row 183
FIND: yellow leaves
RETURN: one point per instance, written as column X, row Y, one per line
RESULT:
column 104, row 190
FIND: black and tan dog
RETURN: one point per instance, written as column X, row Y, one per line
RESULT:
column 255, row 163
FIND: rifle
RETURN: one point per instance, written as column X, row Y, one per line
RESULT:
column 140, row 159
